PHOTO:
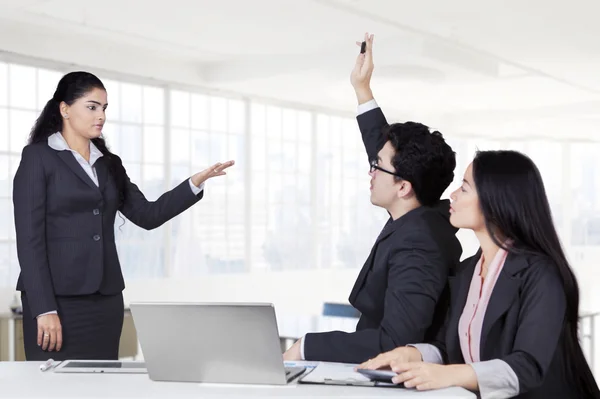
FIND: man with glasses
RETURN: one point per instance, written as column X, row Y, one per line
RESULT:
column 400, row 291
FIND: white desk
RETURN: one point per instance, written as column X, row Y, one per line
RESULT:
column 25, row 380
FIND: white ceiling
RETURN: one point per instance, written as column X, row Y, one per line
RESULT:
column 465, row 65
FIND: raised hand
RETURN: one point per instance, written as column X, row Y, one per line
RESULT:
column 363, row 68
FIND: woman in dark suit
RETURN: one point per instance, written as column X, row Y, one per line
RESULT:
column 67, row 191
column 511, row 330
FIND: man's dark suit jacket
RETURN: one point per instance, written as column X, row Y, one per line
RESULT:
column 65, row 225
column 400, row 291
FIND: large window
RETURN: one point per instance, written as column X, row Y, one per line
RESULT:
column 585, row 192
column 583, row 218
column 281, row 164
column 204, row 130
column 347, row 221
column 297, row 197
column 24, row 91
column 135, row 130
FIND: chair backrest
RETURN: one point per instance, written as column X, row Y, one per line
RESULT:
column 337, row 316
column 340, row 310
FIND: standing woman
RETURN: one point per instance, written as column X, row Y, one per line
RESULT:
column 512, row 326
column 67, row 191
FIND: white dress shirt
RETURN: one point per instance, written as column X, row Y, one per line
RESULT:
column 57, row 142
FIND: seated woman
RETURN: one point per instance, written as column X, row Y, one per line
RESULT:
column 511, row 329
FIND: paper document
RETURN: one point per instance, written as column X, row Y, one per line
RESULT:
column 337, row 374
column 339, row 371
column 301, row 363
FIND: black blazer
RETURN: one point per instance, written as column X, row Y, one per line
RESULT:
column 522, row 326
column 400, row 289
column 65, row 225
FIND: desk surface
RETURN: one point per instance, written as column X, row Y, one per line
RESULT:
column 25, row 380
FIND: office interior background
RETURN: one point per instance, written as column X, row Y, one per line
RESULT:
column 266, row 83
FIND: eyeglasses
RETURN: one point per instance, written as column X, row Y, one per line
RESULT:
column 374, row 167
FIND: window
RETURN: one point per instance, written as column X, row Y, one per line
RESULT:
column 211, row 237
column 463, row 158
column 548, row 156
column 585, row 192
column 583, row 221
column 347, row 222
column 24, row 91
column 297, row 197
column 135, row 130
column 281, row 220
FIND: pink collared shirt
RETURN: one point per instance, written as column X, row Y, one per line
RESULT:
column 471, row 320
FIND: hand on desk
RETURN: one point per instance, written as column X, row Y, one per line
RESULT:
column 407, row 362
column 49, row 332
column 402, row 354
column 293, row 353
column 426, row 376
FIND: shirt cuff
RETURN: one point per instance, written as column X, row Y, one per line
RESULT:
column 366, row 107
column 429, row 353
column 302, row 347
column 196, row 190
column 51, row 312
column 496, row 379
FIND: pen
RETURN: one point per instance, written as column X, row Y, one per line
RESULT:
column 47, row 365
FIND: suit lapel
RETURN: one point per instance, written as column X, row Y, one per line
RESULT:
column 68, row 158
column 102, row 172
column 459, row 290
column 360, row 280
column 389, row 228
column 504, row 292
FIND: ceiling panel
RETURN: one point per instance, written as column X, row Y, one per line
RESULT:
column 228, row 27
column 434, row 59
column 557, row 38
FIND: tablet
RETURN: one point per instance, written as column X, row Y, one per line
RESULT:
column 378, row 375
column 101, row 366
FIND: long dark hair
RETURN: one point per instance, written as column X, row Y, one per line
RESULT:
column 514, row 204
column 71, row 87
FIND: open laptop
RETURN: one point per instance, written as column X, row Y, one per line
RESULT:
column 211, row 342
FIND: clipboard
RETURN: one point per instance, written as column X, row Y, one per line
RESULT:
column 340, row 374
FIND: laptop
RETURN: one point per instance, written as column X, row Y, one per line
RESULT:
column 231, row 343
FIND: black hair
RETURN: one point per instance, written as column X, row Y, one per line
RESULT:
column 71, row 87
column 423, row 158
column 515, row 206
